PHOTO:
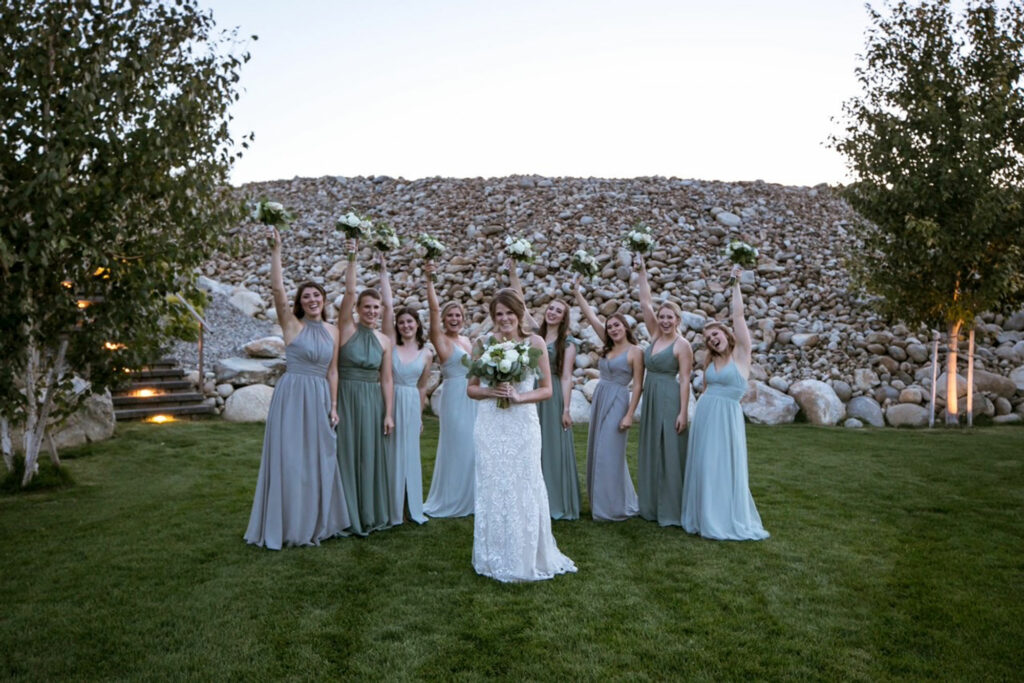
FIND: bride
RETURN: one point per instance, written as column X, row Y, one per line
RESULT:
column 512, row 538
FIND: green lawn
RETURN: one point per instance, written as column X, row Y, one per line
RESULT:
column 894, row 555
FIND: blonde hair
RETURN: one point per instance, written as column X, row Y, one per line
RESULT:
column 730, row 339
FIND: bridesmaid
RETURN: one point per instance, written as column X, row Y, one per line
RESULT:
column 662, row 452
column 299, row 499
column 716, row 493
column 411, row 370
column 612, row 496
column 558, row 456
column 453, row 486
column 365, row 392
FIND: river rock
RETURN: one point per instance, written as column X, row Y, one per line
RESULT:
column 245, row 371
column 248, row 404
column 245, row 301
column 994, row 384
column 867, row 410
column 906, row 415
column 267, row 347
column 818, row 401
column 764, row 405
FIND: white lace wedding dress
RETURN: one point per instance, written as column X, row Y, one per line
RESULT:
column 512, row 538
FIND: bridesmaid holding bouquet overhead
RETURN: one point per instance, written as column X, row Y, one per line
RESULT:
column 365, row 394
column 558, row 455
column 452, row 488
column 612, row 496
column 299, row 499
column 411, row 362
column 661, row 455
column 716, row 494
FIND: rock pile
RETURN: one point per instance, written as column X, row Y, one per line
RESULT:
column 819, row 350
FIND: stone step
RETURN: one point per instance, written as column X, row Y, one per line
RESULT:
column 150, row 411
column 165, row 385
column 157, row 373
column 169, row 398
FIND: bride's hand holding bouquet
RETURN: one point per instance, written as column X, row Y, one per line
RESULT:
column 505, row 363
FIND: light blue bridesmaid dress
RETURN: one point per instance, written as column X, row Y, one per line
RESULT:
column 299, row 498
column 453, row 488
column 716, row 496
column 405, row 474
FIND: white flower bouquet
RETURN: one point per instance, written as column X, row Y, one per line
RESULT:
column 640, row 240
column 584, row 264
column 741, row 253
column 429, row 246
column 270, row 213
column 507, row 361
column 354, row 226
column 384, row 238
column 520, row 249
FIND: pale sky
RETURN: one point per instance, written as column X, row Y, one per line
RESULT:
column 710, row 89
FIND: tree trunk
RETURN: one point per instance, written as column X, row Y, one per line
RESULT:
column 35, row 426
column 935, row 376
column 952, row 411
column 970, row 378
column 5, row 443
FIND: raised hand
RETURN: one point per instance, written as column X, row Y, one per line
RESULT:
column 273, row 237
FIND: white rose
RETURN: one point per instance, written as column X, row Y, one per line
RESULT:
column 275, row 206
column 352, row 220
column 511, row 355
column 505, row 365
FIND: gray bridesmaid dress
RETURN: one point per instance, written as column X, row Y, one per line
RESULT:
column 612, row 496
column 558, row 456
column 453, row 486
column 716, row 497
column 361, row 449
column 662, row 452
column 299, row 499
column 405, row 473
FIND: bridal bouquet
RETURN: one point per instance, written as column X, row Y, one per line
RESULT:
column 507, row 361
column 742, row 254
column 430, row 247
column 385, row 238
column 584, row 264
column 355, row 227
column 639, row 239
column 520, row 249
column 270, row 213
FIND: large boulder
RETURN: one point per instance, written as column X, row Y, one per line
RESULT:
column 246, row 301
column 994, row 384
column 93, row 421
column 764, row 405
column 266, row 347
column 245, row 371
column 867, row 410
column 1017, row 377
column 818, row 401
column 248, row 404
column 579, row 408
column 906, row 415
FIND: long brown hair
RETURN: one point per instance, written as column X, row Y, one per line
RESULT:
column 511, row 299
column 297, row 306
column 608, row 343
column 563, row 334
column 405, row 310
column 711, row 355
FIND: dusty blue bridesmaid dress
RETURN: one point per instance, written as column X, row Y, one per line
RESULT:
column 716, row 496
column 299, row 498
column 661, row 454
column 405, row 474
column 612, row 496
column 453, row 488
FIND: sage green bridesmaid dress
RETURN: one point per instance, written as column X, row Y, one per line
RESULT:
column 557, row 456
column 361, row 444
column 661, row 454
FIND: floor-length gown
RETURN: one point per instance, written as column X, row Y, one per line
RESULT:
column 612, row 496
column 661, row 455
column 716, row 495
column 299, row 499
column 404, row 470
column 452, row 485
column 512, row 538
column 361, row 447
column 558, row 456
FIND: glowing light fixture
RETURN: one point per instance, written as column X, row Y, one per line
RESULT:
column 145, row 393
column 83, row 304
column 113, row 346
column 160, row 419
column 67, row 284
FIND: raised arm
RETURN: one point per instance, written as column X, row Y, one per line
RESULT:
column 650, row 320
column 588, row 312
column 437, row 338
column 514, row 282
column 636, row 362
column 387, row 319
column 290, row 327
column 739, row 324
column 346, row 320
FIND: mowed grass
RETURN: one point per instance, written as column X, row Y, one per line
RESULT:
column 894, row 555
